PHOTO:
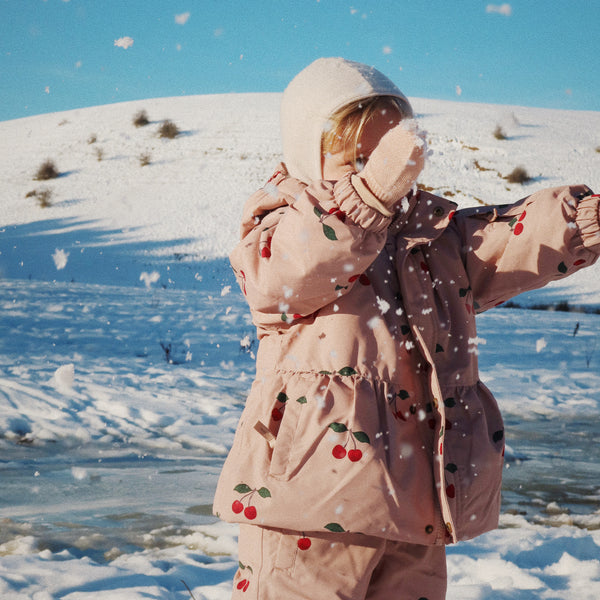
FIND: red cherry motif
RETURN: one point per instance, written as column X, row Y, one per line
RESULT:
column 339, row 451
column 277, row 412
column 517, row 224
column 276, row 174
column 243, row 585
column 399, row 412
column 450, row 491
column 304, row 543
column 265, row 251
column 250, row 513
column 354, row 455
column 362, row 279
column 340, row 214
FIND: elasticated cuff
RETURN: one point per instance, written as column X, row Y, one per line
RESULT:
column 355, row 207
column 588, row 222
column 368, row 197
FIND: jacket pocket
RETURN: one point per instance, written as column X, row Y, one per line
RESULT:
column 282, row 465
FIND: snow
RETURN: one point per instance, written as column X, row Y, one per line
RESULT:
column 126, row 349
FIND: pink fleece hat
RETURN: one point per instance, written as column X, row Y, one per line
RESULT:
column 318, row 91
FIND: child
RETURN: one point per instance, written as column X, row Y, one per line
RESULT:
column 368, row 442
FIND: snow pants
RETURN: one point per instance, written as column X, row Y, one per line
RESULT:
column 276, row 564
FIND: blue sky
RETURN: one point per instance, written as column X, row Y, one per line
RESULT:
column 62, row 54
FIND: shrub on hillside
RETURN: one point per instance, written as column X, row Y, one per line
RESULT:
column 47, row 170
column 144, row 159
column 518, row 175
column 499, row 133
column 168, row 130
column 140, row 119
column 42, row 195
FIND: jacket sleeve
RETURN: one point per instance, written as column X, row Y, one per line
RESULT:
column 511, row 249
column 303, row 255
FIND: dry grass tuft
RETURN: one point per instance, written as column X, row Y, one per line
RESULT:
column 518, row 175
column 42, row 195
column 47, row 170
column 499, row 133
column 140, row 119
column 168, row 130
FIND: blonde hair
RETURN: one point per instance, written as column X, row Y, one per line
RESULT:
column 348, row 123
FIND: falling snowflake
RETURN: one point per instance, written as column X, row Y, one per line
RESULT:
column 149, row 278
column 124, row 42
column 501, row 9
column 383, row 305
column 182, row 19
column 60, row 258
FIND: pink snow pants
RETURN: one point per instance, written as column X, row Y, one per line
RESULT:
column 284, row 565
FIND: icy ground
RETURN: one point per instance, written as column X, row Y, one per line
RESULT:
column 126, row 351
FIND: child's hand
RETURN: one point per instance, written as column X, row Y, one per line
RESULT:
column 394, row 165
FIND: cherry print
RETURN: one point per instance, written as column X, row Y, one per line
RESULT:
column 276, row 174
column 362, row 279
column 250, row 513
column 339, row 451
column 244, row 583
column 450, row 491
column 328, row 232
column 304, row 543
column 355, row 455
column 340, row 214
column 277, row 411
column 265, row 250
column 516, row 223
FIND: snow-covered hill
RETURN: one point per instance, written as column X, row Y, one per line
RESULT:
column 185, row 205
column 126, row 349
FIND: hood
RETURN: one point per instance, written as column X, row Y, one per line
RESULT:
column 317, row 92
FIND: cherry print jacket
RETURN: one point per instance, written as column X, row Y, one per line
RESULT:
column 367, row 413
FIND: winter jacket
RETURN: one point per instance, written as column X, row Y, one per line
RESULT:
column 367, row 413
